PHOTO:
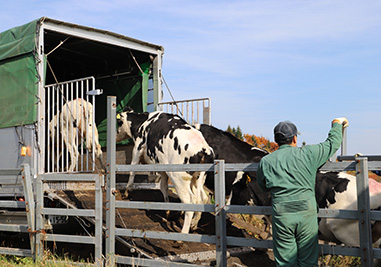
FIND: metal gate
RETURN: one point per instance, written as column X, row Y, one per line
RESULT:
column 70, row 108
column 194, row 111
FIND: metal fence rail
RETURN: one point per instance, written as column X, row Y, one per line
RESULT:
column 194, row 111
column 363, row 214
column 24, row 173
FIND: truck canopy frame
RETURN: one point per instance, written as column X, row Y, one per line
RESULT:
column 47, row 51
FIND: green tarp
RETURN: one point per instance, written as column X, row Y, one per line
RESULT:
column 18, row 76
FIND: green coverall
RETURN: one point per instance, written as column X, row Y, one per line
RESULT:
column 289, row 174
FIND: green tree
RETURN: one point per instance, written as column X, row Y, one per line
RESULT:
column 238, row 133
column 255, row 143
column 229, row 130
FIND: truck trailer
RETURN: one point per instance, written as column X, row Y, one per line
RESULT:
column 47, row 63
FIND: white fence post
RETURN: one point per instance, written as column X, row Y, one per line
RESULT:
column 363, row 204
column 219, row 187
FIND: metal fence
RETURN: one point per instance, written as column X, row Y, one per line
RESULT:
column 69, row 124
column 194, row 111
column 363, row 214
column 96, row 214
column 37, row 214
column 23, row 178
column 361, row 165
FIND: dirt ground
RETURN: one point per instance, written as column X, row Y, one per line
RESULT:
column 159, row 221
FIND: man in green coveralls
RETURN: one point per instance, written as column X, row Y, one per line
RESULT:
column 289, row 174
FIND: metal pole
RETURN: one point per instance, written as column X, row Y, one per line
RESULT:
column 48, row 139
column 157, row 91
column 93, row 123
column 363, row 205
column 29, row 204
column 98, row 221
column 219, row 193
column 110, row 195
column 39, row 218
column 66, row 129
column 344, row 142
column 41, row 109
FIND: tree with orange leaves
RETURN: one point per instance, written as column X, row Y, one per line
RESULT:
column 260, row 142
column 257, row 141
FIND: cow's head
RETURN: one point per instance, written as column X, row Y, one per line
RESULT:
column 327, row 185
column 124, row 125
column 246, row 191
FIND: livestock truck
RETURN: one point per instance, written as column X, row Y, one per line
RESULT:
column 47, row 63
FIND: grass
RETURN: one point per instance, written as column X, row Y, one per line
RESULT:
column 49, row 260
column 54, row 261
column 340, row 261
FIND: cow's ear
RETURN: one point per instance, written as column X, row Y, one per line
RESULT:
column 257, row 159
column 127, row 109
column 341, row 186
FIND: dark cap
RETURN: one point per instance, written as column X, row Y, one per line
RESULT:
column 287, row 129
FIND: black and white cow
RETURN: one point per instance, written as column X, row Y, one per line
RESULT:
column 232, row 150
column 162, row 138
column 333, row 190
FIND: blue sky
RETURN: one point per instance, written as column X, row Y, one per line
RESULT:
column 260, row 62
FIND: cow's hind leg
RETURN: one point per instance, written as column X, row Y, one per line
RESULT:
column 134, row 161
column 182, row 183
column 72, row 149
column 376, row 231
column 164, row 189
column 164, row 185
column 200, row 195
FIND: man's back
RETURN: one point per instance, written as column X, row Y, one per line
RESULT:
column 291, row 170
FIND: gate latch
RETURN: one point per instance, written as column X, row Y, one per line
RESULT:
column 95, row 92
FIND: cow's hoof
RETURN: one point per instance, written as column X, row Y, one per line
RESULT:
column 178, row 244
column 167, row 213
column 193, row 227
